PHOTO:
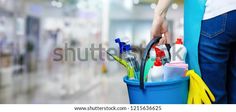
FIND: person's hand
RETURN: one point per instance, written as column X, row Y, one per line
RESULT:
column 160, row 24
column 160, row 28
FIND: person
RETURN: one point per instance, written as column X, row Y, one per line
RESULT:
column 210, row 38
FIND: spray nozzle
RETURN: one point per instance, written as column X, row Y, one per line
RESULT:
column 121, row 44
column 159, row 52
column 127, row 48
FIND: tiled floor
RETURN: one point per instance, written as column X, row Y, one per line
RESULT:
column 66, row 85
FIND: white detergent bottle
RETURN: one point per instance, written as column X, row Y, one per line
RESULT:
column 178, row 51
column 164, row 48
column 156, row 73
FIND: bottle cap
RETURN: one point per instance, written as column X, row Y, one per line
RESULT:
column 157, row 62
column 117, row 40
column 179, row 41
column 127, row 48
column 121, row 45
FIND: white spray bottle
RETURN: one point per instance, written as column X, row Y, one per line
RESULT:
column 156, row 73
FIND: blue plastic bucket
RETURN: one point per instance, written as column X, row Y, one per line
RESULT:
column 170, row 92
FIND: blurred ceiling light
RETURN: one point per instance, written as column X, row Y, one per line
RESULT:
column 78, row 5
column 59, row 4
column 153, row 5
column 174, row 6
column 56, row 3
column 81, row 4
column 53, row 3
column 136, row 1
column 128, row 4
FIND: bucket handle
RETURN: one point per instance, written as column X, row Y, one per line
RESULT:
column 144, row 58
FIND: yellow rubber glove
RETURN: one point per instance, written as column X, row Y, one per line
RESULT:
column 125, row 64
column 193, row 97
column 206, row 91
column 198, row 90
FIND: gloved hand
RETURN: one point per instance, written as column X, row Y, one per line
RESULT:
column 198, row 90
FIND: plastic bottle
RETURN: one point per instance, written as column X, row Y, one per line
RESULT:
column 178, row 51
column 161, row 55
column 166, row 58
column 156, row 73
column 125, row 52
column 131, row 59
column 150, row 62
column 154, row 53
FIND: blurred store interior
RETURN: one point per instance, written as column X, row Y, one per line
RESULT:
column 31, row 29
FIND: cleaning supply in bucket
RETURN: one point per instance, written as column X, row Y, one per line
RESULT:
column 131, row 59
column 172, row 73
column 156, row 72
column 149, row 63
column 161, row 55
column 166, row 58
column 125, row 52
column 130, row 70
column 154, row 53
column 199, row 93
column 178, row 51
column 175, row 70
column 121, row 45
column 178, row 64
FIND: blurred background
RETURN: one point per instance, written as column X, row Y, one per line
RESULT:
column 31, row 29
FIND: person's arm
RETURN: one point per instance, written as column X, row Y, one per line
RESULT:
column 160, row 24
